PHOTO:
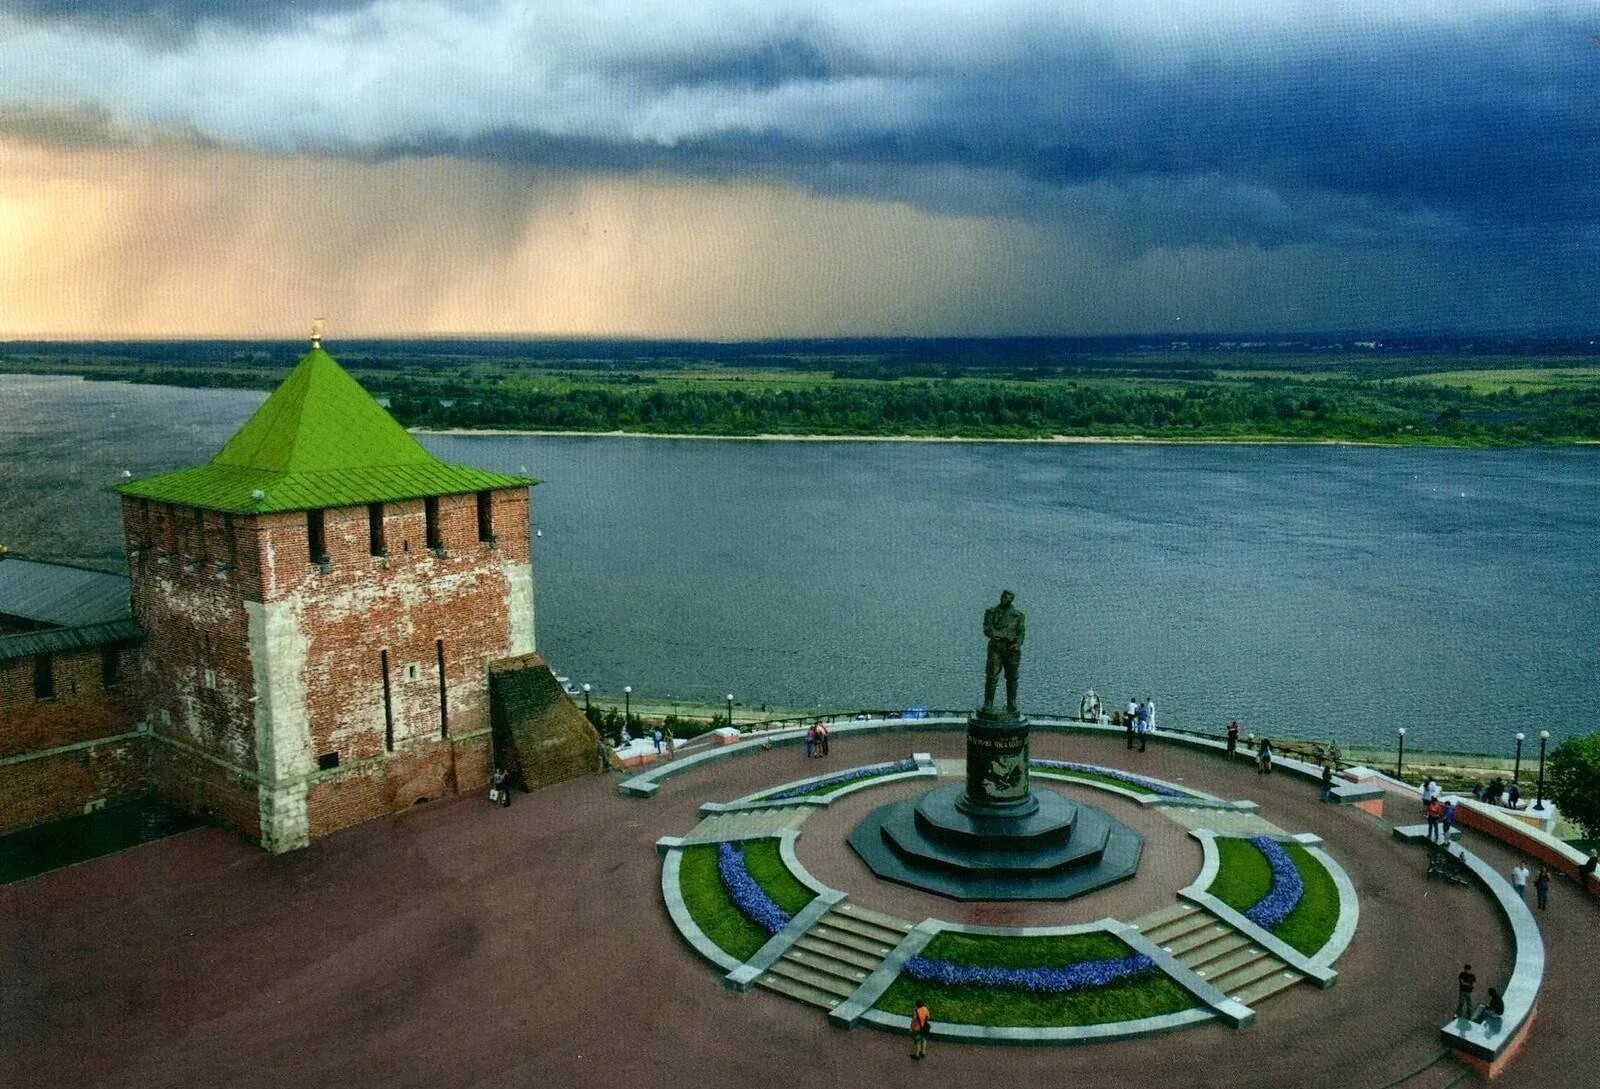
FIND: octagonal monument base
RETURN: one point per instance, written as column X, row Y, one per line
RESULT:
column 994, row 838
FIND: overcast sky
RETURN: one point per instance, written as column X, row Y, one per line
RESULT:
column 741, row 169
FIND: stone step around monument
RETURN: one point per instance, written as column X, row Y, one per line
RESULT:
column 873, row 932
column 1147, row 924
column 867, row 915
column 1198, row 938
column 844, row 954
column 1169, row 932
column 822, row 981
column 821, row 962
column 802, row 992
column 874, row 947
column 746, row 824
column 1264, row 989
column 1221, row 958
column 1237, row 980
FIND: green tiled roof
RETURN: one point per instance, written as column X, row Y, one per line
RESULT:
column 320, row 440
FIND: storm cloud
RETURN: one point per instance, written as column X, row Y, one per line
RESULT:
column 1288, row 120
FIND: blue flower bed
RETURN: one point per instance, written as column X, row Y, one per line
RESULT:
column 841, row 779
column 746, row 893
column 1072, row 977
column 1110, row 773
column 1287, row 888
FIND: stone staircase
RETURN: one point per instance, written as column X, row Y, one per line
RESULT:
column 1224, row 822
column 1217, row 953
column 826, row 964
column 747, row 824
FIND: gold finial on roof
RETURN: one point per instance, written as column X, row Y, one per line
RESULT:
column 316, row 331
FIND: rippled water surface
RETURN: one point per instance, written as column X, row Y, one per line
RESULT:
column 1306, row 590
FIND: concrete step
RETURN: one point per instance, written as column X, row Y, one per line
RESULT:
column 877, row 918
column 841, row 953
column 821, row 962
column 1203, row 956
column 1168, row 914
column 822, row 981
column 1246, row 974
column 1198, row 938
column 1178, row 928
column 814, row 996
column 870, row 931
column 1267, row 987
column 1214, row 967
column 851, row 940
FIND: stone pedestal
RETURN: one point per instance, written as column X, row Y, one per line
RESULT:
column 994, row 838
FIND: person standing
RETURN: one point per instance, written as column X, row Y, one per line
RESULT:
column 1130, row 722
column 1233, row 738
column 1435, row 815
column 1327, row 780
column 1465, row 982
column 672, row 744
column 811, row 742
column 823, row 737
column 656, row 736
column 1448, row 819
column 1150, row 713
column 1264, row 757
column 1144, row 725
column 920, row 1021
column 502, row 786
column 1430, row 791
column 1541, row 887
column 1519, row 880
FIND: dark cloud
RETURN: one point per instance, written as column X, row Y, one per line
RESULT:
column 1451, row 129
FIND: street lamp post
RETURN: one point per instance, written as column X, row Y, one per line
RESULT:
column 730, row 708
column 1544, row 735
column 586, row 698
column 1516, row 766
column 627, row 705
column 1400, row 764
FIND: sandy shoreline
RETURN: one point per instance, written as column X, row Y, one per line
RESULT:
column 1048, row 440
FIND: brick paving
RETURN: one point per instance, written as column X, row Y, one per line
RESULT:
column 465, row 945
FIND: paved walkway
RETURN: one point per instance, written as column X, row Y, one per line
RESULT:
column 466, row 945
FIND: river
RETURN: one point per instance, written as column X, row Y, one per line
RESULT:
column 1328, row 591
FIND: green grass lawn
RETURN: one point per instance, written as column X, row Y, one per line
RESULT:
column 1245, row 877
column 1147, row 995
column 712, row 909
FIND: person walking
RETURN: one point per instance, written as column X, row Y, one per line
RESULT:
column 1541, row 887
column 502, row 786
column 672, row 744
column 656, row 736
column 1519, row 880
column 1465, row 982
column 600, row 756
column 1264, row 757
column 920, row 1021
column 1327, row 780
column 1233, row 739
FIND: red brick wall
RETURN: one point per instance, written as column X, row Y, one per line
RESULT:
column 35, row 791
column 404, row 604
column 192, row 572
column 199, row 786
column 375, row 788
column 82, row 709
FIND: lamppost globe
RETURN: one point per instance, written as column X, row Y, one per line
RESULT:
column 586, row 696
column 1519, row 736
column 1544, row 735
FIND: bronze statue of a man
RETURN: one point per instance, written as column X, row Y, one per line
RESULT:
column 1005, row 628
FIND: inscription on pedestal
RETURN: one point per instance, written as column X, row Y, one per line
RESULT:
column 997, row 762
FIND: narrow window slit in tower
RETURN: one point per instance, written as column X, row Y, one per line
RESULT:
column 444, row 703
column 388, row 710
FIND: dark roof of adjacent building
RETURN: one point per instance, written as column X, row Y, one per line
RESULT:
column 319, row 440
column 60, row 595
column 56, row 640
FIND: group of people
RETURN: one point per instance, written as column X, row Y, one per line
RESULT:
column 1492, row 1008
column 1498, row 793
column 1139, row 720
column 817, row 741
column 1441, row 813
column 1541, row 884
